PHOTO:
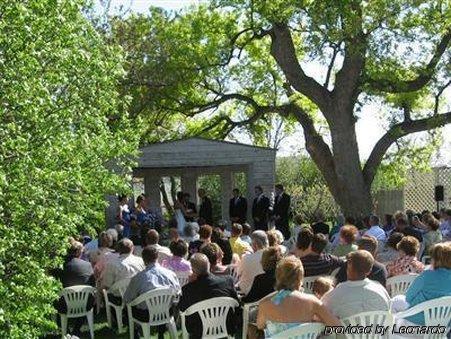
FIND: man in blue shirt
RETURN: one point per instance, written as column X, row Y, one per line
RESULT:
column 153, row 276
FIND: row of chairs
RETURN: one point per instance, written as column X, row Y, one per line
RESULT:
column 395, row 285
column 213, row 314
column 437, row 312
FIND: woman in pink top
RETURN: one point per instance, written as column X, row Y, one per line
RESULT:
column 407, row 262
column 177, row 262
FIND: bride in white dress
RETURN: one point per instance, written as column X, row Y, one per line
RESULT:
column 179, row 209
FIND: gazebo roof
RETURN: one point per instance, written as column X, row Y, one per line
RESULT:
column 200, row 152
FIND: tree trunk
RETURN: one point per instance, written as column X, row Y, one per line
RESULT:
column 352, row 194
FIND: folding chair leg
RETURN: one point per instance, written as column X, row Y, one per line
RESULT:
column 120, row 325
column 172, row 329
column 146, row 331
column 90, row 317
column 131, row 325
column 63, row 325
column 108, row 316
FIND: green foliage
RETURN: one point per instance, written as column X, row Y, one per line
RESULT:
column 304, row 182
column 62, row 121
column 228, row 67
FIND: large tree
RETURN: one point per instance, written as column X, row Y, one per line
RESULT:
column 233, row 64
column 61, row 123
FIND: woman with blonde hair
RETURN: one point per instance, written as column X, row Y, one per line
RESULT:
column 288, row 306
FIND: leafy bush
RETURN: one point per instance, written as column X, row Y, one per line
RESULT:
column 61, row 123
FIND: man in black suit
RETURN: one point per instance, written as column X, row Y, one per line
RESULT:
column 237, row 208
column 260, row 209
column 205, row 207
column 202, row 286
column 281, row 211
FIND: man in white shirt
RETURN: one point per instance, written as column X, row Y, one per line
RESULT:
column 358, row 294
column 375, row 230
column 250, row 265
column 124, row 266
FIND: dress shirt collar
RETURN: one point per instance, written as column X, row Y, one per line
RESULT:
column 358, row 282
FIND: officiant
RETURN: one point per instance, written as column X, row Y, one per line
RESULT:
column 281, row 211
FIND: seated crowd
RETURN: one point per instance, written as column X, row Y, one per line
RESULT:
column 350, row 267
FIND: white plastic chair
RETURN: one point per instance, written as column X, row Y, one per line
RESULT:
column 334, row 273
column 120, row 287
column 303, row 331
column 399, row 284
column 426, row 259
column 183, row 278
column 382, row 318
column 213, row 314
column 76, row 298
column 246, row 312
column 436, row 312
column 307, row 283
column 158, row 302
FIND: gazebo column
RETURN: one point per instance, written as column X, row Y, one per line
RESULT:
column 189, row 185
column 152, row 190
column 250, row 180
column 226, row 192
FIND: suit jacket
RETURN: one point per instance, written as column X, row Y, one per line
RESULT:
column 238, row 209
column 207, row 287
column 262, row 286
column 206, row 210
column 378, row 273
column 77, row 272
column 260, row 210
column 282, row 208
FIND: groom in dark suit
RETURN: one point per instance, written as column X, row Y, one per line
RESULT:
column 237, row 208
column 281, row 211
column 260, row 209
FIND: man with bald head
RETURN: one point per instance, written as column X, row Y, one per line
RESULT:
column 202, row 286
column 124, row 266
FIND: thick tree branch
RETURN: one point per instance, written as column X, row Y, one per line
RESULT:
column 396, row 132
column 424, row 76
column 283, row 50
column 348, row 78
column 316, row 146
column 336, row 49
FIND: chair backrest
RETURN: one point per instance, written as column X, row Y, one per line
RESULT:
column 334, row 273
column 183, row 277
column 369, row 320
column 303, row 331
column 399, row 284
column 76, row 298
column 213, row 314
column 436, row 311
column 120, row 286
column 307, row 282
column 158, row 302
column 426, row 259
